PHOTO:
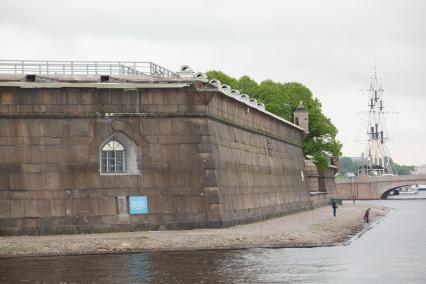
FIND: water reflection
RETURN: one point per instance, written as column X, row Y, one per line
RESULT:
column 393, row 252
column 78, row 269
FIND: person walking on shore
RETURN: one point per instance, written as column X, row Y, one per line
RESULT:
column 367, row 215
column 334, row 206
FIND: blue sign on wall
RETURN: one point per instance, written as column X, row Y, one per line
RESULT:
column 138, row 205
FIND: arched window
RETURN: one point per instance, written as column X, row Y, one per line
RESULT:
column 113, row 158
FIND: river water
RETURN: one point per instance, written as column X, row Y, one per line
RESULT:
column 394, row 251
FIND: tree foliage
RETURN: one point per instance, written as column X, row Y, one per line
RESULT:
column 347, row 165
column 281, row 99
column 402, row 169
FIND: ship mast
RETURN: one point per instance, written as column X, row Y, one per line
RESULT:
column 376, row 158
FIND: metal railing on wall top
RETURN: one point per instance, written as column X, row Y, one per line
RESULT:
column 122, row 68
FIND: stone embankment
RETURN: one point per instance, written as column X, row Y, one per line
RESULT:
column 306, row 229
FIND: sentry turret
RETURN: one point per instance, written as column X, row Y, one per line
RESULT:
column 301, row 117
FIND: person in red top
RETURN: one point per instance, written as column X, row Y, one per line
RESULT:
column 366, row 215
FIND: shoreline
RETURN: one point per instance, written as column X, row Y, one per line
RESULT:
column 307, row 229
column 367, row 227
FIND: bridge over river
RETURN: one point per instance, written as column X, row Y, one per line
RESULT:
column 375, row 187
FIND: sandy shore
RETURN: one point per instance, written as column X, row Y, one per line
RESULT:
column 306, row 229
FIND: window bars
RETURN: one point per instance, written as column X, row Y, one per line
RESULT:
column 113, row 158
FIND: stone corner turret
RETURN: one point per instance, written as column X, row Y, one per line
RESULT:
column 301, row 117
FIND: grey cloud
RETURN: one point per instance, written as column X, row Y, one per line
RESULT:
column 328, row 45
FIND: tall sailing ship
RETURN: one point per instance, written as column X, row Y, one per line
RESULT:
column 376, row 159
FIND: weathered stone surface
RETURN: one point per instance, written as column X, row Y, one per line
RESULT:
column 201, row 158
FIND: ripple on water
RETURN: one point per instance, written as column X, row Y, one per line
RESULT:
column 393, row 252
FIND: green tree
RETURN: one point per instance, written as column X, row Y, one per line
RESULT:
column 281, row 99
column 346, row 165
column 403, row 169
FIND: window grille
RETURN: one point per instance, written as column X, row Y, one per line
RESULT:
column 113, row 158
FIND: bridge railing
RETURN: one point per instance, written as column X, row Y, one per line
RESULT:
column 366, row 179
column 122, row 68
column 398, row 178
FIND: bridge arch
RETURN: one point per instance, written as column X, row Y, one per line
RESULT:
column 385, row 194
column 384, row 186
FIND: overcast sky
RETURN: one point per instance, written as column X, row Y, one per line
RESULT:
column 331, row 46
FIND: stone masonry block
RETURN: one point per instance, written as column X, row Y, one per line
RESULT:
column 167, row 108
column 85, row 97
column 5, row 209
column 93, row 206
column 31, row 168
column 210, row 179
column 30, row 208
column 79, row 153
column 43, row 207
column 50, row 140
column 17, row 208
column 122, row 205
column 4, row 108
column 213, row 213
column 165, row 126
column 22, row 128
column 57, row 207
column 160, row 204
column 7, row 98
column 51, row 128
column 38, row 154
column 110, row 206
column 84, row 206
column 8, row 154
column 4, row 181
column 193, row 203
column 79, row 127
column 27, row 181
column 70, row 208
column 51, row 180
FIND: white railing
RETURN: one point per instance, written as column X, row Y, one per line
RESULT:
column 122, row 68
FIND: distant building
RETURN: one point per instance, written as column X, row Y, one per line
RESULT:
column 358, row 160
column 420, row 169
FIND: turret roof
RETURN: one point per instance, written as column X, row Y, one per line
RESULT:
column 300, row 108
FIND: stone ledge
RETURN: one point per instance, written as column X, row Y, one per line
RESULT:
column 312, row 193
column 142, row 115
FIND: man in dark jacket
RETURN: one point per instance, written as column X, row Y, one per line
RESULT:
column 334, row 206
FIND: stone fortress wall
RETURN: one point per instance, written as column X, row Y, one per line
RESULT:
column 258, row 163
column 201, row 158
